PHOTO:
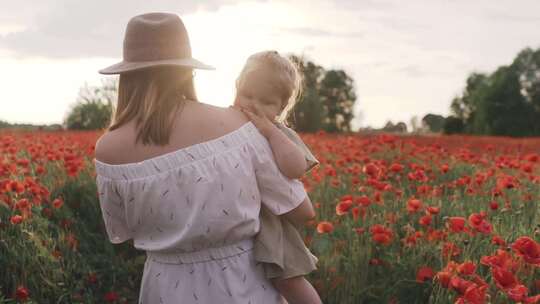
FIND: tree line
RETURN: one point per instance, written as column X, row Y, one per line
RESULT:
column 503, row 103
column 326, row 102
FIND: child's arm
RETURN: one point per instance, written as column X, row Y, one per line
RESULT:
column 290, row 159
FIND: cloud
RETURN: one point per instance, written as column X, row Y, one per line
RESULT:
column 404, row 24
column 506, row 17
column 364, row 4
column 64, row 29
column 412, row 70
column 314, row 32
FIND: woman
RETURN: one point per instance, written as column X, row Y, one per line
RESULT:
column 185, row 180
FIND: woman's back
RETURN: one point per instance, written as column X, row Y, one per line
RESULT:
column 197, row 122
column 194, row 205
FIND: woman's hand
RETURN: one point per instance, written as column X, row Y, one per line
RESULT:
column 265, row 126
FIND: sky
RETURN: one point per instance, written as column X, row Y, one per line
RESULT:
column 407, row 58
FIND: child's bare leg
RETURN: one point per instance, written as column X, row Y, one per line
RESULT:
column 297, row 290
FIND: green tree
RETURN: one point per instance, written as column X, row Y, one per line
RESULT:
column 527, row 65
column 93, row 107
column 308, row 112
column 506, row 102
column 399, row 127
column 327, row 101
column 434, row 122
column 337, row 97
column 453, row 125
column 465, row 106
column 504, row 106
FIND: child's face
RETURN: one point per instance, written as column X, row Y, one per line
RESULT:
column 257, row 89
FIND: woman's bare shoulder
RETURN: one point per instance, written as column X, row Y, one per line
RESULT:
column 227, row 117
column 198, row 122
column 109, row 143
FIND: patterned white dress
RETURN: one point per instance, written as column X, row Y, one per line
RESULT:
column 195, row 211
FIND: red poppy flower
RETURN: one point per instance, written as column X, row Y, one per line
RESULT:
column 466, row 268
column 325, row 227
column 375, row 261
column 528, row 249
column 497, row 240
column 501, row 258
column 395, row 167
column 359, row 230
column 479, row 223
column 450, row 249
column 533, row 300
column 363, row 200
column 40, row 170
column 57, row 203
column 475, row 294
column 424, row 273
column 15, row 186
column 433, row 210
column 475, row 219
column 518, row 293
column 22, row 293
column 381, row 234
column 111, row 296
column 347, row 197
column 457, row 224
column 444, row 168
column 92, row 278
column 355, row 212
column 22, row 204
column 16, row 219
column 343, row 207
column 425, row 220
column 413, row 205
column 370, row 169
column 460, row 285
column 504, row 279
column 444, row 278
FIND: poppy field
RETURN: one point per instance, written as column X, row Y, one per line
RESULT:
column 400, row 219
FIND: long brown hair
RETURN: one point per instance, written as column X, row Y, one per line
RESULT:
column 152, row 96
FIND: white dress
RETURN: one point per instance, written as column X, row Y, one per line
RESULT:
column 195, row 211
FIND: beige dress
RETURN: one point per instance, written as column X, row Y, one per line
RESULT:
column 195, row 211
column 279, row 245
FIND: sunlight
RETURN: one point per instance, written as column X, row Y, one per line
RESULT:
column 225, row 38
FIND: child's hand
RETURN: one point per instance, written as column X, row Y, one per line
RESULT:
column 260, row 121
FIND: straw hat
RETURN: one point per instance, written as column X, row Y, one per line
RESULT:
column 155, row 39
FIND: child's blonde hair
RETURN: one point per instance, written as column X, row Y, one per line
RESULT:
column 288, row 80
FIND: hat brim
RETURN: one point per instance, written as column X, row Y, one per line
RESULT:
column 125, row 66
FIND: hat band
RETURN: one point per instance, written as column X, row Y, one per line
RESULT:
column 134, row 53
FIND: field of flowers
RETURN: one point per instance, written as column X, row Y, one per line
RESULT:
column 400, row 219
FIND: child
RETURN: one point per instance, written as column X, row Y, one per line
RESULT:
column 266, row 90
